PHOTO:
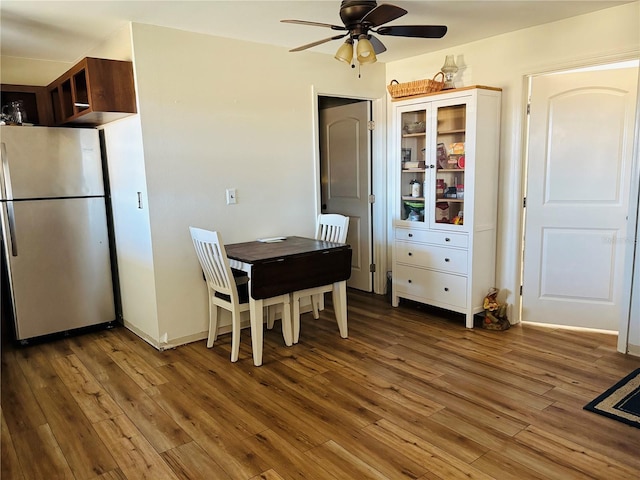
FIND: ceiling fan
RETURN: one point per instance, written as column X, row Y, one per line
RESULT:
column 361, row 18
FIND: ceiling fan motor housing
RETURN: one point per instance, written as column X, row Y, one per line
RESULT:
column 352, row 11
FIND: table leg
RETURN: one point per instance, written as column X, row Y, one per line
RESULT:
column 255, row 313
column 340, row 306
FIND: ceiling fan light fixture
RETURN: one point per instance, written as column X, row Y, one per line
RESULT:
column 345, row 52
column 365, row 51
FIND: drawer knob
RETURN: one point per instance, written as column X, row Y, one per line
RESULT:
column 409, row 281
column 446, row 289
column 446, row 260
column 410, row 254
column 447, row 239
column 410, row 235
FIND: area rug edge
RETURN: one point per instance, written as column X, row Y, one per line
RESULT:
column 592, row 406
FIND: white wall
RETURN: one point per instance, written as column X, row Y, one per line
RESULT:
column 504, row 61
column 27, row 71
column 219, row 113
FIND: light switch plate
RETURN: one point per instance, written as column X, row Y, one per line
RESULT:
column 231, row 196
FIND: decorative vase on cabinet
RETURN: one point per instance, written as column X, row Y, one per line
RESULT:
column 446, row 255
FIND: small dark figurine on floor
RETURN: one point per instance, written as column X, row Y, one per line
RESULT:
column 495, row 313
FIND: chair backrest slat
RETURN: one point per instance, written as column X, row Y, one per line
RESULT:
column 213, row 260
column 332, row 227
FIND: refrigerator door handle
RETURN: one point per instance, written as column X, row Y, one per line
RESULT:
column 12, row 229
column 3, row 170
column 7, row 194
column 5, row 184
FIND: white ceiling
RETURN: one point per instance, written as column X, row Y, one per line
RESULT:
column 66, row 30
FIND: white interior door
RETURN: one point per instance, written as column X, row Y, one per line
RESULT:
column 578, row 192
column 345, row 158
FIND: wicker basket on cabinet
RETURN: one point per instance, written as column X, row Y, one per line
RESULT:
column 417, row 87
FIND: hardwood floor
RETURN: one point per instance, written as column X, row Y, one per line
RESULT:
column 409, row 394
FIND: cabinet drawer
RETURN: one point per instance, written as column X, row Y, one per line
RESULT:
column 429, row 236
column 431, row 256
column 443, row 288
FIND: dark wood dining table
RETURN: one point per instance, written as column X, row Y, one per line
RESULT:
column 292, row 264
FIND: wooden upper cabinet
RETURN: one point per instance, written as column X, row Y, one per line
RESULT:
column 34, row 99
column 94, row 92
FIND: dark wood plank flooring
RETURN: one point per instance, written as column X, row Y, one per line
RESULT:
column 410, row 394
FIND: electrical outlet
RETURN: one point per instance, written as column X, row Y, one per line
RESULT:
column 231, row 196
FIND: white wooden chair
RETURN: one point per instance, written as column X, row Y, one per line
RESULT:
column 223, row 289
column 331, row 228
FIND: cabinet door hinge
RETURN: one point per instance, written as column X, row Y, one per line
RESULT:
column 372, row 268
column 528, row 109
column 524, row 202
column 520, row 290
column 371, row 125
column 372, row 199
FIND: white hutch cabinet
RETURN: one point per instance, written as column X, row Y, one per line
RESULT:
column 445, row 149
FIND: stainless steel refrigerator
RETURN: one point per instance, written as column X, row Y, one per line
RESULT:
column 54, row 230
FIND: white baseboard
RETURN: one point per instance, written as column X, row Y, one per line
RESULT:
column 222, row 329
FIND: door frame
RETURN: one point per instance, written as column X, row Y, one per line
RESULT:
column 632, row 261
column 634, row 191
column 377, row 176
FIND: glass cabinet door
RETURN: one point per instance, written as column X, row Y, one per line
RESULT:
column 413, row 179
column 448, row 194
